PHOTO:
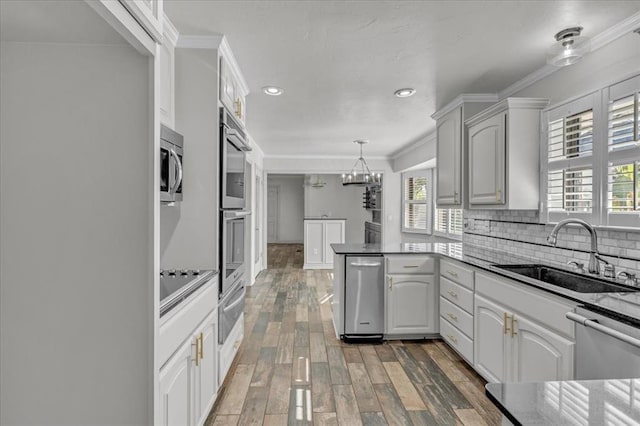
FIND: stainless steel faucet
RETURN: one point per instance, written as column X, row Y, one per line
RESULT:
column 594, row 264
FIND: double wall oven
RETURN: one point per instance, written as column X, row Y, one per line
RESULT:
column 233, row 222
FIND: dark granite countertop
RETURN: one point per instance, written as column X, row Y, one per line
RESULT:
column 578, row 402
column 616, row 304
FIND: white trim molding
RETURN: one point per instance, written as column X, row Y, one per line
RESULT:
column 505, row 104
column 462, row 98
column 170, row 32
column 323, row 157
column 423, row 140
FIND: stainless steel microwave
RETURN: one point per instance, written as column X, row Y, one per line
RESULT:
column 233, row 144
column 171, row 170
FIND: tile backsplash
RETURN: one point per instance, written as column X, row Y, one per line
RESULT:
column 518, row 232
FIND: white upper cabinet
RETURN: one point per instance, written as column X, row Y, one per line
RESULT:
column 449, row 158
column 451, row 148
column 167, row 74
column 233, row 89
column 504, row 152
column 149, row 14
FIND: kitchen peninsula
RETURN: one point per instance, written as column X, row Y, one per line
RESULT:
column 509, row 327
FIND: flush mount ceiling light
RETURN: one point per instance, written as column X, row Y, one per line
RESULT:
column 404, row 93
column 272, row 90
column 569, row 49
column 360, row 175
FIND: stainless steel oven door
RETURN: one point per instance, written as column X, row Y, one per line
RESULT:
column 230, row 309
column 233, row 171
column 232, row 250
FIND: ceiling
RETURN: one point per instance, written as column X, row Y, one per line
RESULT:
column 339, row 62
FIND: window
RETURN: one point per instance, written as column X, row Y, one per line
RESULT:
column 570, row 153
column 416, row 205
column 592, row 153
column 449, row 223
column 622, row 173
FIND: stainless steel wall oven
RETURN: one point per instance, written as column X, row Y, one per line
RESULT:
column 233, row 144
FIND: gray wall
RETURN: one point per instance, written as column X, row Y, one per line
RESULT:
column 335, row 200
column 189, row 230
column 290, row 207
column 76, row 310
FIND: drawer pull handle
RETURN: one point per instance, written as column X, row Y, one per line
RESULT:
column 453, row 317
column 452, row 338
column 453, row 274
column 505, row 316
column 513, row 325
column 452, row 293
column 410, row 266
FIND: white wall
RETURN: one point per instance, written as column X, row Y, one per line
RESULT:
column 390, row 183
column 189, row 229
column 76, row 283
column 336, row 200
column 290, row 207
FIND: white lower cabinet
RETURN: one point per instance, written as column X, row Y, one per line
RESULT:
column 513, row 348
column 411, row 304
column 319, row 234
column 175, row 388
column 188, row 381
column 229, row 349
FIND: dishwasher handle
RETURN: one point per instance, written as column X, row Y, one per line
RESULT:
column 590, row 323
column 358, row 264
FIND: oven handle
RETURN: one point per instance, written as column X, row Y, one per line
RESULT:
column 235, row 214
column 175, row 186
column 590, row 323
column 236, row 303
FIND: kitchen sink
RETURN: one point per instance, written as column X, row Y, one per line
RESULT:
column 566, row 279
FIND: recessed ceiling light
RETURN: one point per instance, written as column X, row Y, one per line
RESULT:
column 404, row 93
column 272, row 90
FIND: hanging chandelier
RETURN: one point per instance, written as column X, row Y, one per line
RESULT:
column 360, row 174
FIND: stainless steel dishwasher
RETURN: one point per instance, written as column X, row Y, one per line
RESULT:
column 364, row 298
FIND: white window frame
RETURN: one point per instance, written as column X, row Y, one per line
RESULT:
column 598, row 101
column 447, row 234
column 630, row 154
column 428, row 175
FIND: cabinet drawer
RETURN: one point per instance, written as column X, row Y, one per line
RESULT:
column 228, row 351
column 457, row 316
column 457, row 273
column 456, row 294
column 457, row 340
column 410, row 264
column 545, row 308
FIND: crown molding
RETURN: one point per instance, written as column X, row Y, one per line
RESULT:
column 461, row 99
column 527, row 81
column 199, row 42
column 169, row 31
column 508, row 103
column 429, row 137
column 620, row 29
column 323, row 157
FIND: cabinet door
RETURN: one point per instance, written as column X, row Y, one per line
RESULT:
column 487, row 161
column 411, row 304
column 490, row 341
column 333, row 234
column 175, row 388
column 313, row 242
column 206, row 382
column 227, row 87
column 539, row 354
column 449, row 150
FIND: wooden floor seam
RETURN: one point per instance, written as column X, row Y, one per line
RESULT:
column 292, row 370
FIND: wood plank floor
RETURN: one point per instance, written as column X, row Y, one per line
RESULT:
column 292, row 370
